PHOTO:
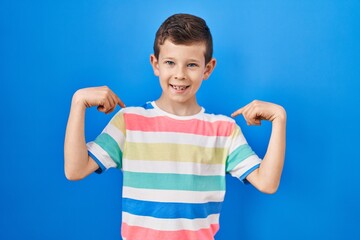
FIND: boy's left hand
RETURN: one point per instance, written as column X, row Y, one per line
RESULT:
column 257, row 110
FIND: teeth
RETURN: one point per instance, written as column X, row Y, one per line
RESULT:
column 181, row 88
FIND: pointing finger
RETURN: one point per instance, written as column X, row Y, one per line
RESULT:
column 120, row 102
column 237, row 112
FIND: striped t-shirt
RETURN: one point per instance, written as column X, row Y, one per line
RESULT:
column 174, row 170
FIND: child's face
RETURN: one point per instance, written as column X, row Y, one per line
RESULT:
column 181, row 70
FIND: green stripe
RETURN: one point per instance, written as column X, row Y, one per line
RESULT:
column 174, row 152
column 174, row 181
column 109, row 145
column 237, row 156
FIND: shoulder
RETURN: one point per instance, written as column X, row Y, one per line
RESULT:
column 146, row 109
column 224, row 125
column 214, row 117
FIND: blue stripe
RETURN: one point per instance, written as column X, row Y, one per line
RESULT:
column 243, row 177
column 148, row 105
column 101, row 166
column 170, row 210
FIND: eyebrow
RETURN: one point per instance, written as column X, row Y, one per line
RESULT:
column 194, row 60
column 169, row 58
column 189, row 60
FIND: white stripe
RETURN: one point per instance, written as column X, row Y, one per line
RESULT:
column 116, row 134
column 178, row 138
column 216, row 117
column 156, row 113
column 245, row 165
column 142, row 111
column 176, row 196
column 170, row 224
column 238, row 141
column 101, row 155
column 173, row 167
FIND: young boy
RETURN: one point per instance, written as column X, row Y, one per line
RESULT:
column 174, row 156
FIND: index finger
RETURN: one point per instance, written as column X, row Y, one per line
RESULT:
column 237, row 112
column 120, row 102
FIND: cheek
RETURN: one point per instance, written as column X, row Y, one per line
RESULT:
column 197, row 76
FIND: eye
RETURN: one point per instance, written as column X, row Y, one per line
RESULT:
column 192, row 65
column 170, row 63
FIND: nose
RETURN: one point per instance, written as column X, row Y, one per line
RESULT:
column 180, row 74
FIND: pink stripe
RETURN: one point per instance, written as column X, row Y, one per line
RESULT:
column 137, row 122
column 141, row 233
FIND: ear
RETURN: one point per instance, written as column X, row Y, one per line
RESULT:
column 209, row 68
column 155, row 64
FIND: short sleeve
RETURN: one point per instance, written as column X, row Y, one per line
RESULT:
column 107, row 148
column 241, row 159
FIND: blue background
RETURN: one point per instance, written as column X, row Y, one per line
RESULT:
column 304, row 55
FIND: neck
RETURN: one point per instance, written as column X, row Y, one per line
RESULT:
column 178, row 108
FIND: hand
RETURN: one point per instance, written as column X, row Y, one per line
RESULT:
column 102, row 97
column 257, row 110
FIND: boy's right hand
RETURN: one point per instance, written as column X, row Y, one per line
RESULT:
column 102, row 97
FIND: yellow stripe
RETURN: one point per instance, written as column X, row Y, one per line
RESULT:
column 174, row 152
column 118, row 122
column 236, row 132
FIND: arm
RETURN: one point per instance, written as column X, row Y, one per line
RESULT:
column 77, row 163
column 267, row 177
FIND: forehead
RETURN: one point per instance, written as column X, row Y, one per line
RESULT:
column 180, row 51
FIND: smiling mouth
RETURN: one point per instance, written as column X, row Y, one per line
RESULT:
column 179, row 87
